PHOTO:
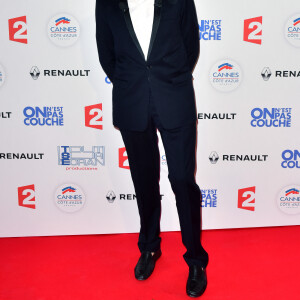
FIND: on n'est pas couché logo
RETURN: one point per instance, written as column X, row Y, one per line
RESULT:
column 291, row 159
column 271, row 117
column 210, row 30
column 225, row 75
column 63, row 30
column 209, row 197
column 43, row 116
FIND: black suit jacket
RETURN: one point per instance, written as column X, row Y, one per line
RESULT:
column 167, row 71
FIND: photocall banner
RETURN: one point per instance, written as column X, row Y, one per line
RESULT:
column 63, row 166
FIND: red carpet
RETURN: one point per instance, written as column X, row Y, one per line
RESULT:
column 260, row 263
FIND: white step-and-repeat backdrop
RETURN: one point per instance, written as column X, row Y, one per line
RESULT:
column 63, row 165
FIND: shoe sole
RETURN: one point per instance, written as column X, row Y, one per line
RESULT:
column 197, row 295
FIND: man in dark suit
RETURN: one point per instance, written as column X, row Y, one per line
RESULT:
column 153, row 89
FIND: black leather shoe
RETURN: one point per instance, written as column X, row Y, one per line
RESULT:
column 197, row 281
column 146, row 264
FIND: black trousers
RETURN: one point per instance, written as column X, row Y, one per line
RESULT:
column 144, row 161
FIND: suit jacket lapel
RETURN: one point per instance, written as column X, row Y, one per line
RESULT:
column 156, row 20
column 123, row 4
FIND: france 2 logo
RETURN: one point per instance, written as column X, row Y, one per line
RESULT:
column 94, row 116
column 246, row 198
column 123, row 159
column 18, row 29
column 253, row 30
column 26, row 195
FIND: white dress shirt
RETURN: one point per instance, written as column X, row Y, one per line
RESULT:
column 141, row 14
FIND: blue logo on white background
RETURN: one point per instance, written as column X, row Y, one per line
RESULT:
column 79, row 156
column 209, row 198
column 43, row 116
column 292, row 30
column 291, row 159
column 288, row 199
column 273, row 117
column 225, row 75
column 69, row 198
column 210, row 30
column 63, row 30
